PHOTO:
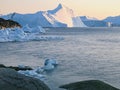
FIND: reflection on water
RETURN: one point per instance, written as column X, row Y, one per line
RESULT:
column 81, row 56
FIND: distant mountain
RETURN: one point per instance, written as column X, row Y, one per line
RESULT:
column 93, row 22
column 61, row 16
column 114, row 20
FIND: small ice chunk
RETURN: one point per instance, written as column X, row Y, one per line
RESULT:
column 51, row 61
column 50, row 64
column 48, row 67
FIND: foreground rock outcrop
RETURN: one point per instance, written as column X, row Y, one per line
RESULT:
column 89, row 85
column 11, row 80
column 8, row 24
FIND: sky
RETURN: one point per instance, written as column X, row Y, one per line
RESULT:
column 94, row 8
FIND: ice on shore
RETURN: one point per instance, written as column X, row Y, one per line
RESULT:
column 32, row 73
column 49, row 65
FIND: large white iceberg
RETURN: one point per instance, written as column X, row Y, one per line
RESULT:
column 65, row 15
column 61, row 16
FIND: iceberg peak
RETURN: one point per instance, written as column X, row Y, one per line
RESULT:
column 59, row 7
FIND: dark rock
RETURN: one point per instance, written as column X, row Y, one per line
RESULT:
column 12, row 80
column 2, row 66
column 8, row 24
column 16, row 68
column 89, row 85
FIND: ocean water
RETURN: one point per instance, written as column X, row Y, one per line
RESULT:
column 84, row 54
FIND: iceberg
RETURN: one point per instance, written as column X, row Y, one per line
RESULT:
column 51, row 61
column 114, row 20
column 25, row 34
column 61, row 16
column 77, row 22
column 66, row 15
column 37, row 29
column 49, row 65
column 15, row 34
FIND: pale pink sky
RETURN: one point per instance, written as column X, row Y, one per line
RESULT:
column 93, row 8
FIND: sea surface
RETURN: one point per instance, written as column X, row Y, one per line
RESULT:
column 83, row 54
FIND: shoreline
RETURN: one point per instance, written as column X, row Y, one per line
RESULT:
column 10, row 72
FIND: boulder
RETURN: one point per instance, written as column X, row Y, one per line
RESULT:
column 12, row 80
column 2, row 66
column 89, row 85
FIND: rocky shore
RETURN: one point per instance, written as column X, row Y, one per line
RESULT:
column 10, row 79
